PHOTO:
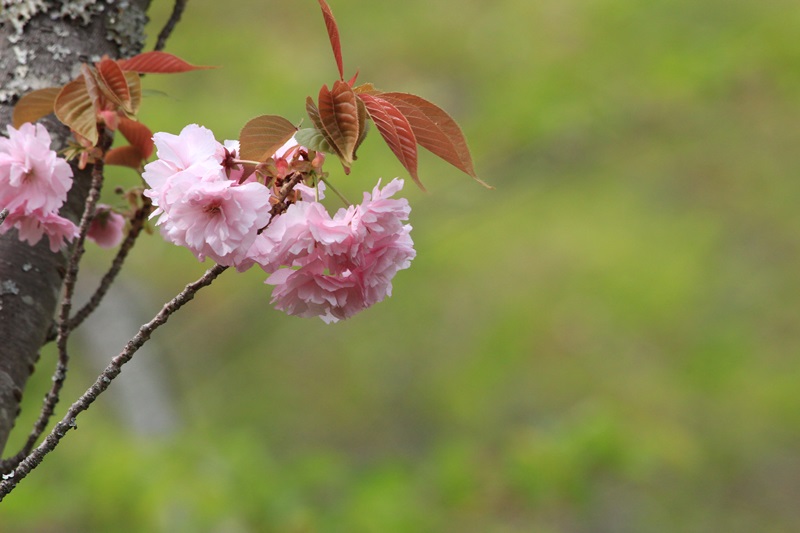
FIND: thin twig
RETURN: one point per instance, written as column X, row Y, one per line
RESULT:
column 137, row 224
column 177, row 11
column 104, row 380
column 3, row 215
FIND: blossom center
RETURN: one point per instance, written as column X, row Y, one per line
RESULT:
column 213, row 209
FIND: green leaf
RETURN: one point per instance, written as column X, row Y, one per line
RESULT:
column 313, row 139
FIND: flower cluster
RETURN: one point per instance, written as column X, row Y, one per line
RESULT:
column 319, row 265
column 200, row 207
column 33, row 186
column 345, row 263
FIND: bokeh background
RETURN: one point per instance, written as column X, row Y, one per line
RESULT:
column 607, row 342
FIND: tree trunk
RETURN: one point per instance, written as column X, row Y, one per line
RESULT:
column 42, row 44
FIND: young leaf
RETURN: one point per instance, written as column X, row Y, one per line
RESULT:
column 396, row 131
column 363, row 124
column 313, row 113
column 313, row 139
column 365, row 88
column 157, row 63
column 138, row 135
column 261, row 136
column 435, row 130
column 75, row 109
column 352, row 80
column 333, row 36
column 34, row 105
column 125, row 156
column 93, row 87
column 338, row 112
column 113, row 83
column 135, row 86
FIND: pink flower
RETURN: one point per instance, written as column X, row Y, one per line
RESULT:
column 32, row 227
column 309, row 292
column 379, row 214
column 217, row 219
column 346, row 262
column 183, row 159
column 32, row 177
column 107, row 226
column 199, row 207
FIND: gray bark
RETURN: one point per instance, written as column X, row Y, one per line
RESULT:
column 42, row 44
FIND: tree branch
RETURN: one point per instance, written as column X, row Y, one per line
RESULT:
column 137, row 224
column 113, row 369
column 174, row 18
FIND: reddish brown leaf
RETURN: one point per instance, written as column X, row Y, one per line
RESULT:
column 365, row 88
column 34, row 105
column 93, row 87
column 353, row 79
column 125, row 156
column 261, row 136
column 396, row 131
column 157, row 63
column 338, row 112
column 333, row 35
column 113, row 83
column 138, row 135
column 363, row 122
column 135, row 86
column 74, row 108
column 313, row 113
column 435, row 130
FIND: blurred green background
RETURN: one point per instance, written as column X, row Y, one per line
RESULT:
column 607, row 342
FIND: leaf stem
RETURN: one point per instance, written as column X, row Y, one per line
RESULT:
column 246, row 162
column 347, row 203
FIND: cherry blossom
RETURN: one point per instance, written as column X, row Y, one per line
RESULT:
column 107, row 226
column 33, row 186
column 219, row 220
column 200, row 208
column 319, row 265
column 346, row 262
column 32, row 227
column 184, row 159
column 32, row 177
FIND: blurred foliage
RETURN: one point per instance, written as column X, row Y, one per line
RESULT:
column 607, row 342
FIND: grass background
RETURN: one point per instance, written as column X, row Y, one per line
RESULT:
column 608, row 341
